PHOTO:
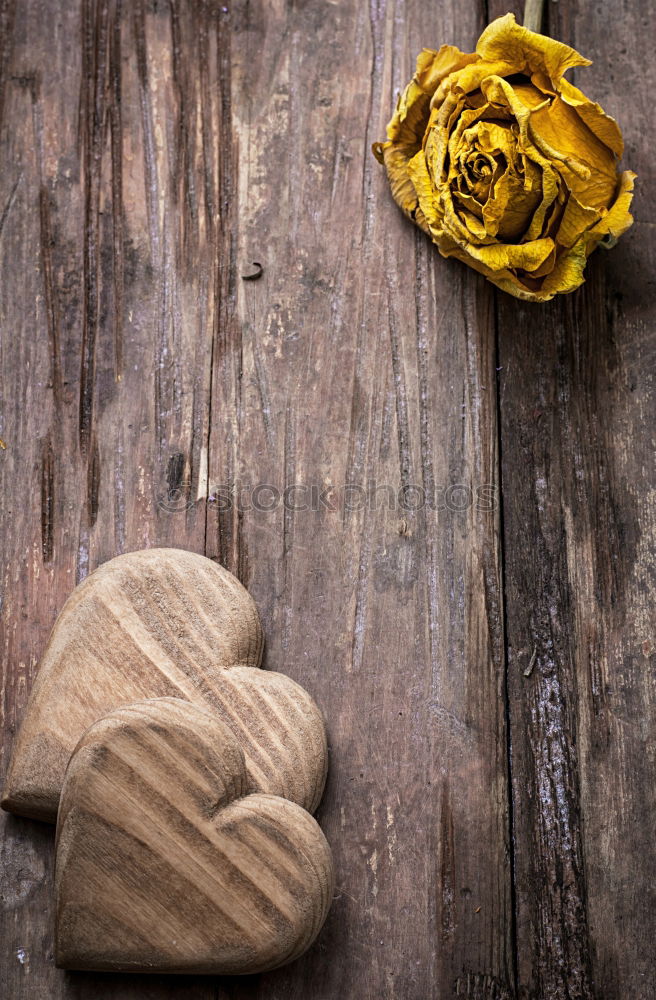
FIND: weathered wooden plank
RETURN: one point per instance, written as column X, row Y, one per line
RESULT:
column 106, row 314
column 577, row 417
column 360, row 358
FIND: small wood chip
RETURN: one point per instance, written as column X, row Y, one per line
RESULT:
column 529, row 669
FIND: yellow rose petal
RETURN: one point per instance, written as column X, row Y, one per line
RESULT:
column 396, row 163
column 511, row 207
column 411, row 116
column 433, row 67
column 600, row 124
column 576, row 219
column 568, row 272
column 587, row 164
column 505, row 40
column 618, row 219
column 527, row 256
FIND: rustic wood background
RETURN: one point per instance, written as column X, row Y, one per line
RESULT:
column 486, row 668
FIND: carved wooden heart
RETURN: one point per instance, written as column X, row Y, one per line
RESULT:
column 163, row 622
column 165, row 863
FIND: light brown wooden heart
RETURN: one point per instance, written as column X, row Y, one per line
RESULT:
column 165, row 863
column 157, row 623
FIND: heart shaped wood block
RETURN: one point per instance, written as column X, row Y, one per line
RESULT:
column 162, row 623
column 165, row 862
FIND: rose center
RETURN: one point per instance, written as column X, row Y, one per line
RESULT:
column 478, row 170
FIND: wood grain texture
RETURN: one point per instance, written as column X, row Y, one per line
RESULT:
column 150, row 624
column 368, row 371
column 577, row 424
column 214, row 138
column 166, row 863
column 147, row 624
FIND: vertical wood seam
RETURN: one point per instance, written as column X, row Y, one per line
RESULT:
column 507, row 713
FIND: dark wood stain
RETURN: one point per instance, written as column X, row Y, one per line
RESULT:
column 486, row 673
column 93, row 483
column 118, row 219
column 47, row 500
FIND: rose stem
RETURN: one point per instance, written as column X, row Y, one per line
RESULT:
column 533, row 11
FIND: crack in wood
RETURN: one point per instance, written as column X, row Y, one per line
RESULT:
column 47, row 500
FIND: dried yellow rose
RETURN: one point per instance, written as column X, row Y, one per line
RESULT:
column 506, row 165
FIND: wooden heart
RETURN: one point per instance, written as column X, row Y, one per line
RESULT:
column 157, row 623
column 165, row 863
